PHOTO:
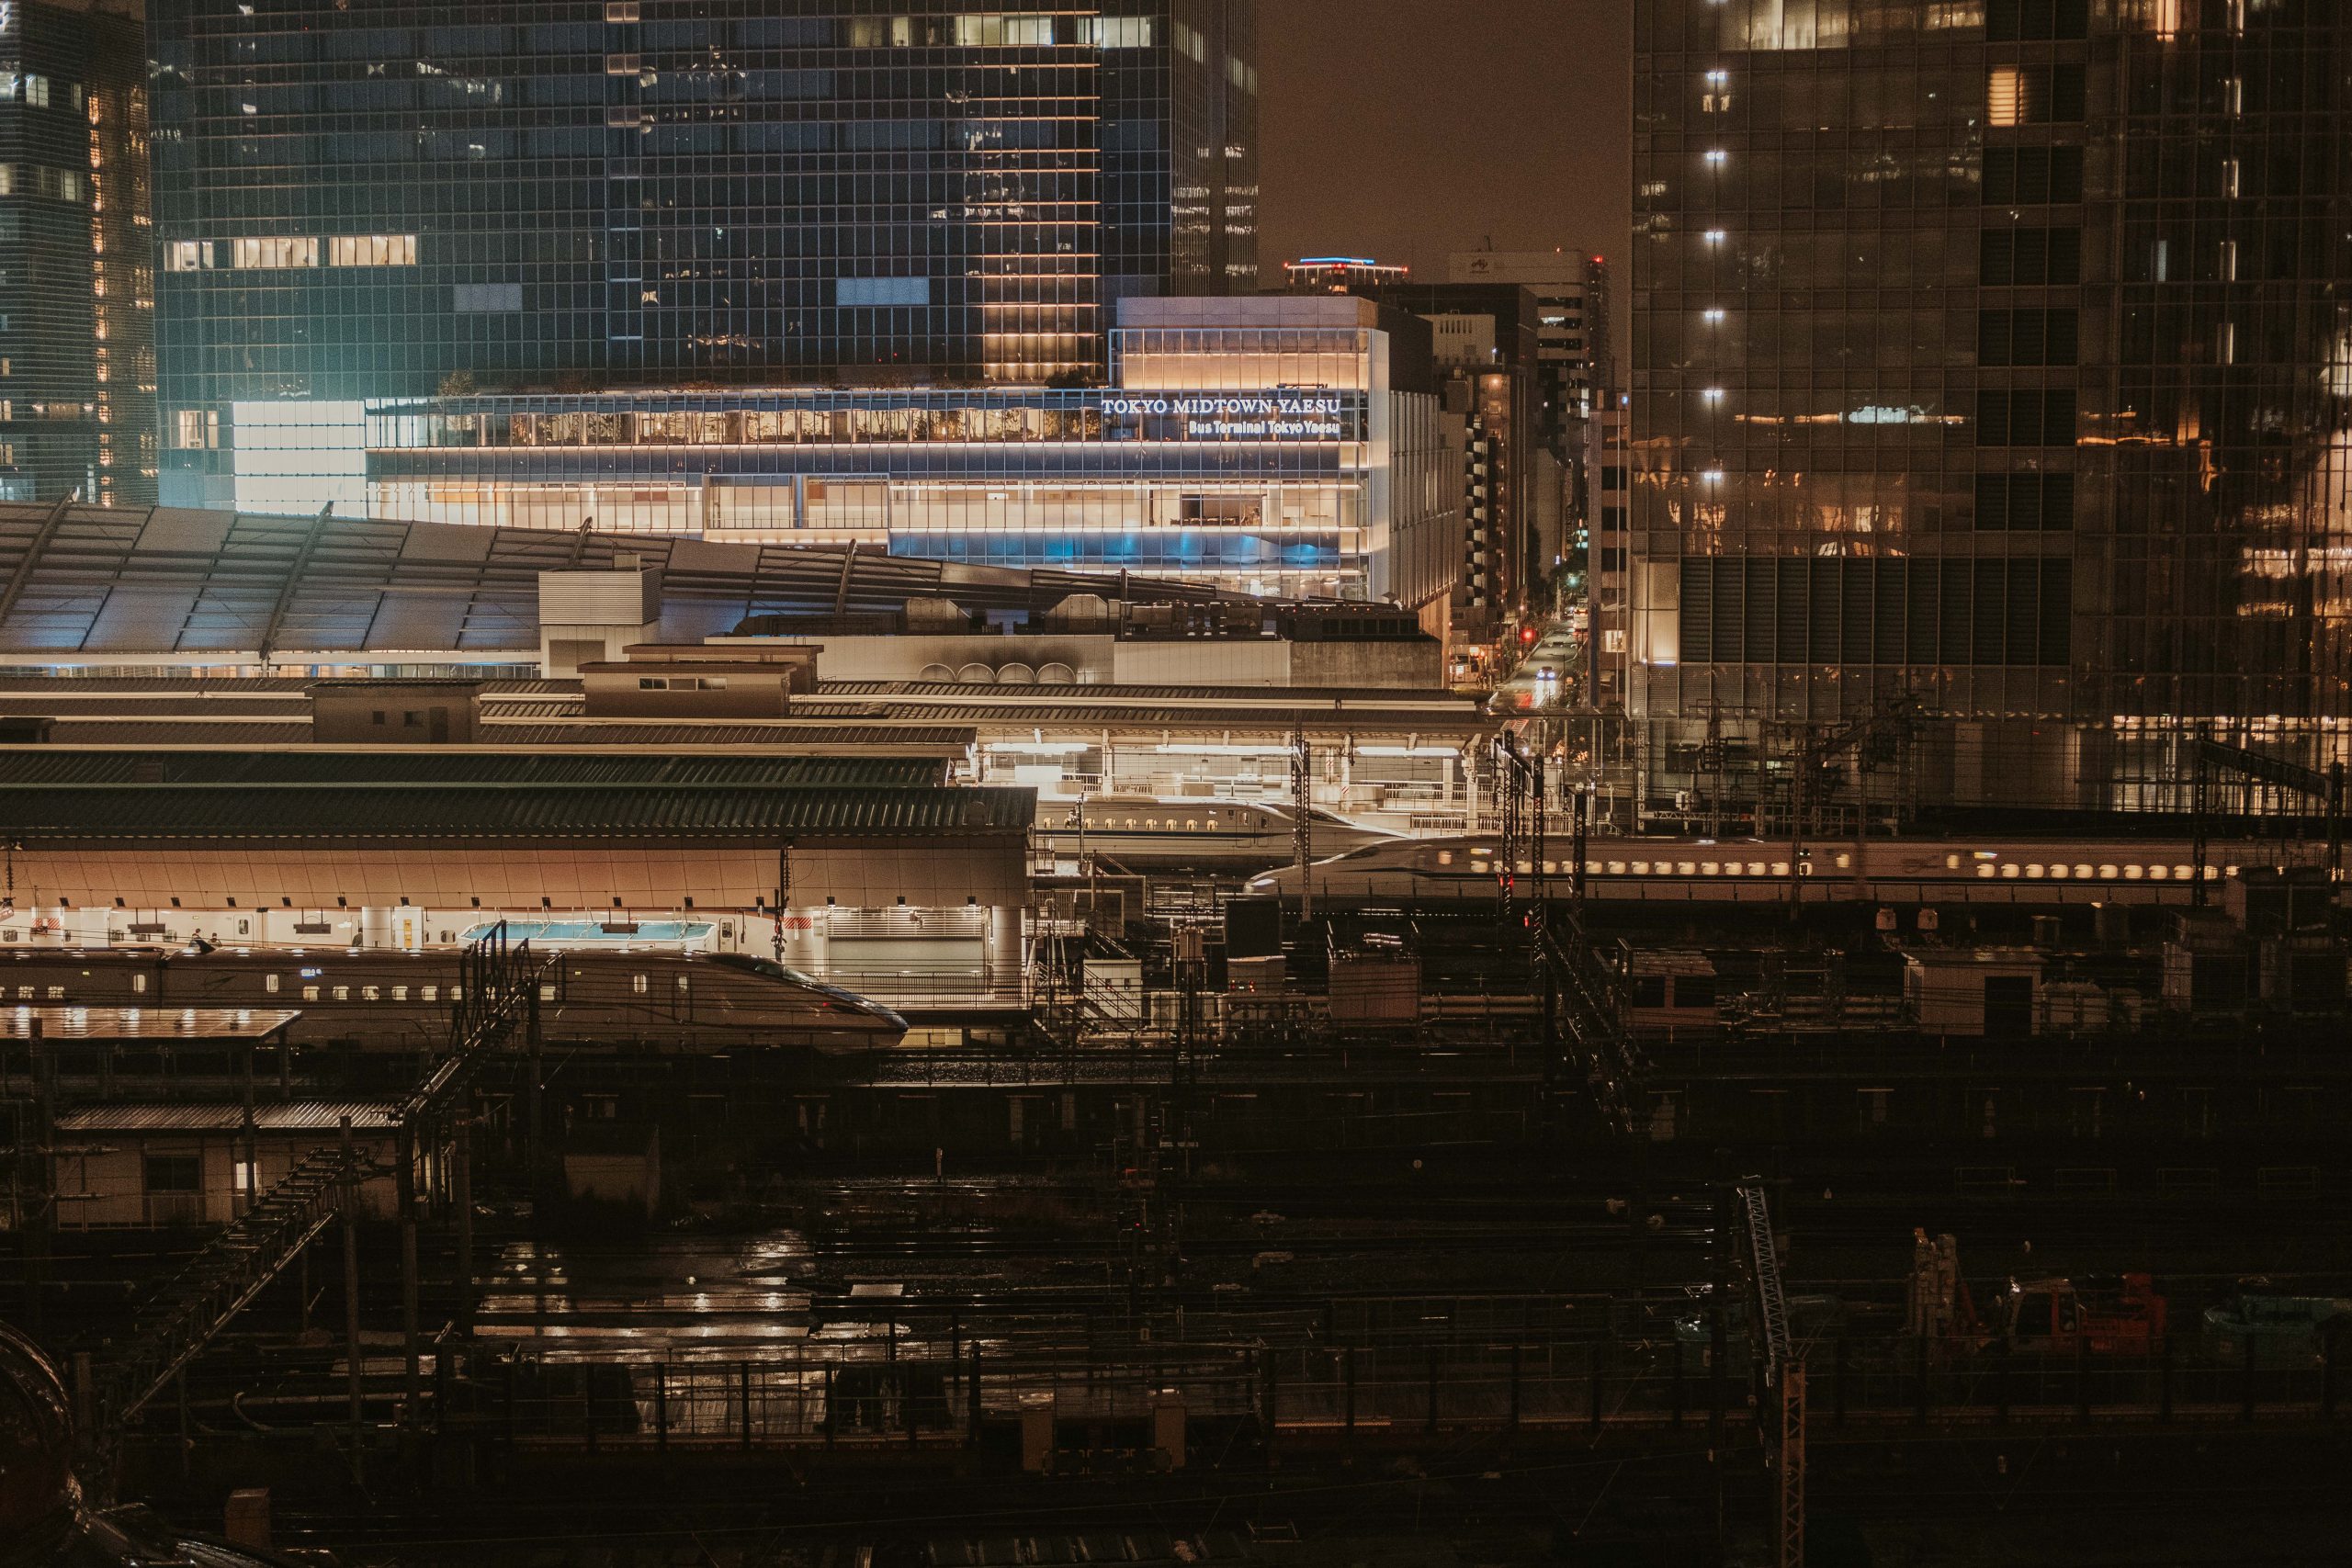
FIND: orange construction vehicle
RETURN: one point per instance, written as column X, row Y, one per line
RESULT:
column 2103, row 1315
column 2110, row 1316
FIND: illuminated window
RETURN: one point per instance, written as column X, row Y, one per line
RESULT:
column 637, row 984
column 274, row 252
column 2005, row 95
column 269, row 983
column 371, row 250
column 1116, row 32
column 1001, row 32
column 197, row 430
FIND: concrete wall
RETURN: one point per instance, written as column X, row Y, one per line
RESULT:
column 1360, row 665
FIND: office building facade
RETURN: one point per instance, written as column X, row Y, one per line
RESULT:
column 1276, row 444
column 77, row 365
column 1571, row 305
column 1994, row 357
column 405, row 198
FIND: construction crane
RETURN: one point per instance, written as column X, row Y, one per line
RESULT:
column 1780, row 1368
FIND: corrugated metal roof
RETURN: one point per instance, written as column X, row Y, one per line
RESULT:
column 1326, row 698
column 987, row 717
column 476, row 816
column 923, row 738
column 57, row 766
column 299, row 1116
column 178, row 732
column 143, row 1023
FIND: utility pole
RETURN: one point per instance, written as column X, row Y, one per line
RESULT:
column 783, row 895
column 1712, row 764
column 1302, row 818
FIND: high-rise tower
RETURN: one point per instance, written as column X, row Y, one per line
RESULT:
column 1995, row 353
column 381, row 197
column 77, row 363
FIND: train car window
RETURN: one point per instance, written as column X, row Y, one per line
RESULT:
column 368, row 993
column 23, row 993
column 2156, row 873
column 429, row 992
column 1984, row 870
column 1709, row 868
column 682, row 982
column 1616, row 868
column 1951, row 863
column 57, row 993
column 1779, row 868
column 457, row 993
column 343, row 993
column 399, row 993
column 2033, row 872
column 1641, row 868
column 1684, row 868
column 2133, row 872
column 637, row 984
column 1550, row 868
column 2183, row 874
column 2057, row 871
column 1192, row 822
column 310, row 993
column 1445, row 857
column 139, row 984
column 1845, row 862
column 2107, row 873
column 2083, row 872
column 546, row 990
column 2009, row 870
column 1592, row 868
column 269, row 984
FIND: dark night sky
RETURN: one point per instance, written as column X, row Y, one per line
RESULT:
column 1406, row 129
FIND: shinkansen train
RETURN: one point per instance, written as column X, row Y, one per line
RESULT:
column 1146, row 831
column 1892, row 871
column 393, row 1000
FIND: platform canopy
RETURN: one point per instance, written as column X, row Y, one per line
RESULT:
column 84, row 582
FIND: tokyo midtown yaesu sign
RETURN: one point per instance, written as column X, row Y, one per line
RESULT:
column 1281, row 418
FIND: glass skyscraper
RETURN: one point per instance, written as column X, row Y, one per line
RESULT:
column 374, row 199
column 1997, row 355
column 77, row 296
